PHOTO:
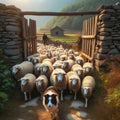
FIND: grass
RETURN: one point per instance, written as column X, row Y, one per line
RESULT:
column 69, row 38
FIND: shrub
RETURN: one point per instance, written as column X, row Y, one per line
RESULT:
column 6, row 82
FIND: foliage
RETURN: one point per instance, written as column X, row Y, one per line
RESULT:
column 6, row 82
column 75, row 22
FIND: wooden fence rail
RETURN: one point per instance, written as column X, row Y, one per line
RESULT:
column 89, row 37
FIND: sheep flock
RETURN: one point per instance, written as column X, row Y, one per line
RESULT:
column 63, row 68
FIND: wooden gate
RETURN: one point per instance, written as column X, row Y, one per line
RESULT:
column 29, row 37
column 89, row 37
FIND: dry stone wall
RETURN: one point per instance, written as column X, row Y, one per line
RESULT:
column 11, row 34
column 108, row 34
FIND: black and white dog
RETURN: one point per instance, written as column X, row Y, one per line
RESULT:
column 51, row 101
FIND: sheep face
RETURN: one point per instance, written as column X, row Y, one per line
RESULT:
column 35, row 61
column 15, row 70
column 49, row 54
column 71, row 56
column 74, row 81
column 24, row 82
column 29, row 59
column 39, row 82
column 79, row 61
column 79, row 72
column 86, row 92
column 44, row 69
column 87, row 69
column 60, row 77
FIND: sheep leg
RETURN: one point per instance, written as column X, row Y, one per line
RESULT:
column 75, row 96
column 25, row 94
column 61, row 95
column 86, row 102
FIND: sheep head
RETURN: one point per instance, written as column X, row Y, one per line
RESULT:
column 39, row 82
column 79, row 72
column 44, row 69
column 15, row 69
column 60, row 77
column 86, row 92
column 74, row 81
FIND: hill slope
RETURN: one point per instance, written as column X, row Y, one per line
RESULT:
column 75, row 22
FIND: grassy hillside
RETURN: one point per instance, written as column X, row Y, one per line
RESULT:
column 75, row 22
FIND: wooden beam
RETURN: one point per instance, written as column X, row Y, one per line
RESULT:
column 86, row 56
column 59, row 13
column 88, row 36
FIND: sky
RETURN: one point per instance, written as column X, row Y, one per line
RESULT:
column 39, row 5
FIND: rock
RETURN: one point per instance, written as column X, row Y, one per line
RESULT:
column 77, row 104
column 105, row 38
column 101, row 56
column 114, row 51
column 104, row 17
column 12, row 28
column 13, row 43
column 12, row 52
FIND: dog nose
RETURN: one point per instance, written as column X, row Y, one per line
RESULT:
column 49, row 106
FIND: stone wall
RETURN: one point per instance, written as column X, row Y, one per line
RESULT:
column 11, row 34
column 108, row 34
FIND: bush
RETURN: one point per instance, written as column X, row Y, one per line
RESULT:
column 6, row 82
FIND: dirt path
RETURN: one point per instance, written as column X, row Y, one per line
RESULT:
column 17, row 109
column 69, row 109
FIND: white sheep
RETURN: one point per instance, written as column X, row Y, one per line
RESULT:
column 67, row 65
column 63, row 57
column 19, row 70
column 74, row 82
column 87, row 68
column 41, row 84
column 58, row 64
column 58, row 79
column 46, row 68
column 27, row 85
column 51, row 101
column 87, row 87
column 79, row 60
column 78, row 69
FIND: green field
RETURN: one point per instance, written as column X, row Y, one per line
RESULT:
column 65, row 38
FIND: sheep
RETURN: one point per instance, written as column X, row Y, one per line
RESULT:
column 51, row 101
column 27, row 85
column 37, row 69
column 41, row 84
column 39, row 59
column 71, row 56
column 67, row 64
column 87, row 68
column 19, row 70
column 58, row 79
column 58, row 64
column 79, row 60
column 78, row 69
column 88, row 85
column 49, row 54
column 74, row 82
column 49, row 59
column 63, row 57
column 30, row 58
column 46, row 68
